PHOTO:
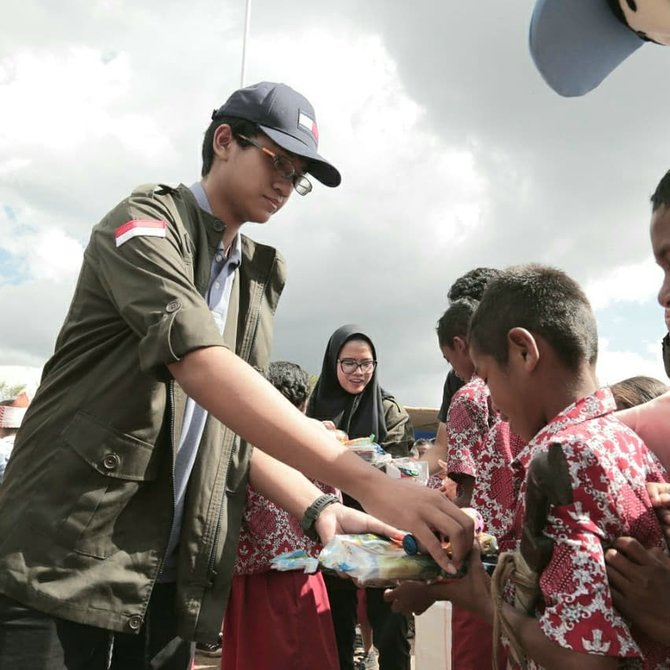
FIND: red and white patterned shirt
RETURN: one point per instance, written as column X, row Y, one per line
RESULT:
column 267, row 531
column 482, row 446
column 609, row 466
column 469, row 419
column 495, row 494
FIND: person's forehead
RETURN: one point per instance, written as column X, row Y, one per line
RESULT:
column 355, row 346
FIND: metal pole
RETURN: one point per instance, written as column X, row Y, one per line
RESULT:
column 247, row 23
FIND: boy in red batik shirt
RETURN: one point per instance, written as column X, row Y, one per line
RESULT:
column 479, row 453
column 533, row 339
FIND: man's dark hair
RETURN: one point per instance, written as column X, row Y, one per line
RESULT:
column 661, row 197
column 471, row 284
column 238, row 127
column 544, row 301
column 455, row 321
column 290, row 380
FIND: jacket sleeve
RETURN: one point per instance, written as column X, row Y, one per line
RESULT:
column 400, row 432
column 149, row 281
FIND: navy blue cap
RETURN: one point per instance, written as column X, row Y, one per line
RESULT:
column 575, row 44
column 287, row 118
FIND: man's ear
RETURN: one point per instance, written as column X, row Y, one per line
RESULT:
column 523, row 346
column 222, row 140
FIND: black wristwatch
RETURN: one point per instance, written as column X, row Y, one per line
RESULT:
column 312, row 514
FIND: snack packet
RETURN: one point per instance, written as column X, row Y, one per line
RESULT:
column 373, row 560
column 368, row 450
column 295, row 560
column 408, row 468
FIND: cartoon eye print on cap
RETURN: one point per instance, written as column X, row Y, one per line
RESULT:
column 650, row 19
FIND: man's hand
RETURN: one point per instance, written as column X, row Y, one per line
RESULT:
column 337, row 519
column 410, row 597
column 640, row 584
column 666, row 315
column 421, row 511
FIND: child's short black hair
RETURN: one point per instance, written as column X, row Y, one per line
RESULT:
column 290, row 380
column 661, row 197
column 544, row 301
column 237, row 126
column 455, row 321
column 471, row 284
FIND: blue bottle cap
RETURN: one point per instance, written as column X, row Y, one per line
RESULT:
column 410, row 545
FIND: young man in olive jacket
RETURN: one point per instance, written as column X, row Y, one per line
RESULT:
column 121, row 504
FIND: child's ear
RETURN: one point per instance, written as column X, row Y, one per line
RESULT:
column 460, row 344
column 522, row 346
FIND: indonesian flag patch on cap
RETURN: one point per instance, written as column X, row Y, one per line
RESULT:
column 141, row 227
column 308, row 123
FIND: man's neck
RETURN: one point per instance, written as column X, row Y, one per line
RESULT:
column 220, row 211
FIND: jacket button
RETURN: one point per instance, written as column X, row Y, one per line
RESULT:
column 135, row 622
column 218, row 226
column 111, row 462
column 172, row 306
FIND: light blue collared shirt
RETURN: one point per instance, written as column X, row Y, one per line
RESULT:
column 218, row 299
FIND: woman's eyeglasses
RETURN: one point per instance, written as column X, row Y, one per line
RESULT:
column 350, row 365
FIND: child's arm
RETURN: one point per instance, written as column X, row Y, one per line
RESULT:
column 472, row 592
column 438, row 452
column 549, row 654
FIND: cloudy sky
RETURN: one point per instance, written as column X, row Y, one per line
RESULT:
column 454, row 154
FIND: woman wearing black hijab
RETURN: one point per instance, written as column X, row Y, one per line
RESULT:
column 349, row 395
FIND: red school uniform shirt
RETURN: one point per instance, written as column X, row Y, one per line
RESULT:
column 609, row 467
column 481, row 445
column 495, row 493
column 267, row 531
column 469, row 419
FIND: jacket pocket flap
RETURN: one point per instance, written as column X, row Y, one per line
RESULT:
column 111, row 453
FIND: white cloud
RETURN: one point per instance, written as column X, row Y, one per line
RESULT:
column 636, row 282
column 614, row 366
column 453, row 154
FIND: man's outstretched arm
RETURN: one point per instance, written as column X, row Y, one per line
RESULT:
column 239, row 397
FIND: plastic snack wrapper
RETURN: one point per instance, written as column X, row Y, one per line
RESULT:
column 373, row 560
column 368, row 450
column 408, row 468
column 295, row 560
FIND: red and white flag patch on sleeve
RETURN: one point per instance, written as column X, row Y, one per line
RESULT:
column 141, row 227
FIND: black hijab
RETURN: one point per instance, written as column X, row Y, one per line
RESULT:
column 358, row 415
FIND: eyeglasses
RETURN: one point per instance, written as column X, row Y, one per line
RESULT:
column 350, row 365
column 283, row 165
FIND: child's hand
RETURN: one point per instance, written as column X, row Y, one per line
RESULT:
column 410, row 597
column 640, row 584
column 449, row 486
column 659, row 494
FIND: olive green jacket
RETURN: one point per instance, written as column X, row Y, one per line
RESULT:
column 87, row 501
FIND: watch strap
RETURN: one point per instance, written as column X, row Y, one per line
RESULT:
column 312, row 514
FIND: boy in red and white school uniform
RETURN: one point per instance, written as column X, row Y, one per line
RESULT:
column 479, row 453
column 533, row 339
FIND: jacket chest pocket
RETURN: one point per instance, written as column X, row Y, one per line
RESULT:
column 112, row 480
